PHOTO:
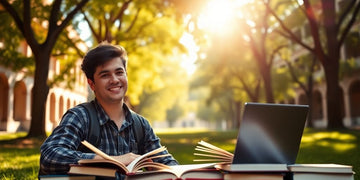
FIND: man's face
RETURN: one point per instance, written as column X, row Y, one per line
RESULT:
column 110, row 81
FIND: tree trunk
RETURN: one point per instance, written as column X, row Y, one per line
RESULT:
column 331, row 66
column 39, row 95
column 333, row 95
column 310, row 121
column 309, row 94
column 266, row 75
column 237, row 117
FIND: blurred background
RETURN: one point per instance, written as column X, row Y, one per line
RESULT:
column 192, row 63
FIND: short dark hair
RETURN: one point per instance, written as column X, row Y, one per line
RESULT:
column 100, row 55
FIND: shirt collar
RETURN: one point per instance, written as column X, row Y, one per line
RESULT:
column 104, row 118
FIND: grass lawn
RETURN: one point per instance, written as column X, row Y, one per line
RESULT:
column 19, row 159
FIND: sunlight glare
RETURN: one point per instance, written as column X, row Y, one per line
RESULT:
column 188, row 60
column 216, row 16
column 219, row 15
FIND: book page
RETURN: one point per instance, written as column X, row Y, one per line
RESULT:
column 148, row 162
column 105, row 156
column 97, row 151
column 134, row 165
column 179, row 170
column 214, row 148
column 212, row 153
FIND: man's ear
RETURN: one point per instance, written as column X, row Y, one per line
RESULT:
column 91, row 84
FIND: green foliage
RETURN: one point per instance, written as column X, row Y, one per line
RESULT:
column 162, row 90
column 348, row 67
column 16, row 61
column 229, row 72
column 68, row 55
column 11, row 56
column 150, row 33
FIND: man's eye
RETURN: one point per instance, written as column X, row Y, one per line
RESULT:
column 104, row 75
column 120, row 72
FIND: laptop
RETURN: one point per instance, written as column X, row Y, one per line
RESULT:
column 270, row 133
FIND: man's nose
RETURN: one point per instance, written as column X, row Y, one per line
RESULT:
column 114, row 78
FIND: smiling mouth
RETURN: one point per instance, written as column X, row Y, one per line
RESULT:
column 115, row 88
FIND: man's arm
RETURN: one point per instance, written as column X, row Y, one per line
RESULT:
column 60, row 148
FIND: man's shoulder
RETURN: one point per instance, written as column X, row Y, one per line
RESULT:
column 79, row 109
column 78, row 112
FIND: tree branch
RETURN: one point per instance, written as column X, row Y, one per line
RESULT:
column 92, row 29
column 121, row 13
column 52, row 35
column 346, row 12
column 133, row 21
column 253, row 96
column 290, row 34
column 54, row 16
column 141, row 28
column 107, row 35
column 274, row 52
column 19, row 23
column 73, row 44
column 350, row 24
column 294, row 77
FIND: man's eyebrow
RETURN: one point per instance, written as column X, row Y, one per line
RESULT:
column 120, row 69
column 106, row 71
column 103, row 72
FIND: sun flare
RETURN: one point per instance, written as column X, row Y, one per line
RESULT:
column 219, row 15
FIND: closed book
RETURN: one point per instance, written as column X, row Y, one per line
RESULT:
column 66, row 177
column 253, row 171
column 320, row 172
column 98, row 170
column 253, row 176
column 235, row 168
column 323, row 168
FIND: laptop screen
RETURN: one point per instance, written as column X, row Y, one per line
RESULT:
column 270, row 133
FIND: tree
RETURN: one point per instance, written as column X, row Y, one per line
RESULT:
column 328, row 30
column 257, row 36
column 28, row 15
column 150, row 32
column 175, row 112
column 230, row 75
column 304, row 69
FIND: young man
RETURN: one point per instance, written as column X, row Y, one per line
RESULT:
column 105, row 69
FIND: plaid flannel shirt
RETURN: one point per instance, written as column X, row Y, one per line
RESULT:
column 60, row 148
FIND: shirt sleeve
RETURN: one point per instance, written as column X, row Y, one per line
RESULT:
column 152, row 141
column 60, row 148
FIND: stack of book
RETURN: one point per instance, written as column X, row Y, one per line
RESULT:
column 218, row 166
column 110, row 167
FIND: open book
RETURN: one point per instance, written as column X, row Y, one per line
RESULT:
column 188, row 171
column 211, row 153
column 108, row 166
